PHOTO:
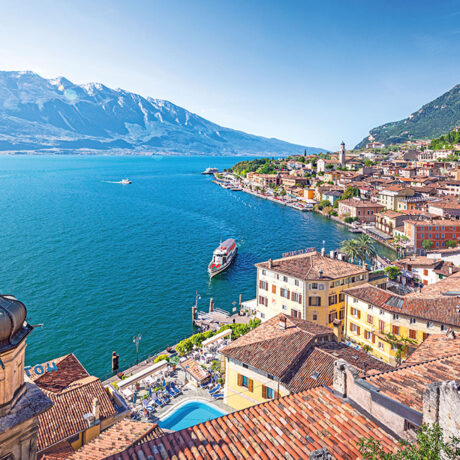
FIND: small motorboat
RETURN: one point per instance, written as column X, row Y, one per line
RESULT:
column 125, row 181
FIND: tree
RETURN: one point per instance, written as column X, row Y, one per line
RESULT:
column 392, row 272
column 366, row 248
column 427, row 245
column 350, row 249
column 350, row 192
column 430, row 445
column 451, row 244
column 323, row 204
column 368, row 162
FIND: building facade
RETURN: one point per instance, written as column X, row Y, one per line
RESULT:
column 436, row 231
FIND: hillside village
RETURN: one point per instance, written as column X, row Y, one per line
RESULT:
column 340, row 355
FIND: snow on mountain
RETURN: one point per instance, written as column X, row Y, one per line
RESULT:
column 39, row 114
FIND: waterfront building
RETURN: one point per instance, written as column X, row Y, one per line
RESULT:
column 21, row 403
column 308, row 286
column 82, row 407
column 445, row 208
column 437, row 231
column 384, row 322
column 387, row 221
column 331, row 195
column 426, row 269
column 286, row 355
column 389, row 196
column 362, row 210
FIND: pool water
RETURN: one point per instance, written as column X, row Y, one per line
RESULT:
column 190, row 414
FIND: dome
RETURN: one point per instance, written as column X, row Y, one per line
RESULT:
column 12, row 318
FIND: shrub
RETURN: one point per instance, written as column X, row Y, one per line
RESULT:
column 185, row 346
column 392, row 272
column 451, row 244
column 427, row 244
column 161, row 358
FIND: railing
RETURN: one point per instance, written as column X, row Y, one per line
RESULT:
column 373, row 276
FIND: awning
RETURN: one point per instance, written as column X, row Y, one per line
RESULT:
column 153, row 369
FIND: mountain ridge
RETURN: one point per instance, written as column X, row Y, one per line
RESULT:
column 46, row 115
column 433, row 119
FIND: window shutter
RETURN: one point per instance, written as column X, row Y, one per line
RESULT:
column 260, row 284
column 359, row 314
column 373, row 338
column 358, row 330
column 277, row 395
column 251, row 385
column 351, row 327
column 274, row 289
column 264, row 392
column 240, row 380
column 300, row 298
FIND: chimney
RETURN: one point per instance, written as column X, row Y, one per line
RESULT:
column 96, row 409
column 320, row 273
column 323, row 252
column 332, row 254
column 337, row 327
column 450, row 334
column 270, row 263
column 282, row 324
column 450, row 270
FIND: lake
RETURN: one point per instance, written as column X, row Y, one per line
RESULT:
column 98, row 262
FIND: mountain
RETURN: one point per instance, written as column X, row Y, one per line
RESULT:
column 432, row 120
column 43, row 115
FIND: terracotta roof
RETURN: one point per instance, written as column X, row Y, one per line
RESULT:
column 442, row 309
column 195, row 370
column 71, row 401
column 59, row 451
column 289, row 427
column 307, row 267
column 361, row 203
column 435, row 345
column 296, row 353
column 442, row 287
column 407, row 383
column 390, row 214
column 124, row 434
column 434, row 223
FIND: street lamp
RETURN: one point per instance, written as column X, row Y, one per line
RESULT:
column 136, row 339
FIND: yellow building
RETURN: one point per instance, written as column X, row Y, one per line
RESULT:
column 390, row 196
column 390, row 326
column 285, row 355
column 308, row 286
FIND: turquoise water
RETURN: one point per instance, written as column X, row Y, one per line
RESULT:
column 190, row 414
column 97, row 262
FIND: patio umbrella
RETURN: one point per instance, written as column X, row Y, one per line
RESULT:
column 134, row 398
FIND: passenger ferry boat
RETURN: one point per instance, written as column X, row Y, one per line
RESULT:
column 222, row 257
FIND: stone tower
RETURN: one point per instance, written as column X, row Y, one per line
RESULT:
column 342, row 154
column 20, row 402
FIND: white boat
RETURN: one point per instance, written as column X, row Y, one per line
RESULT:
column 222, row 257
column 210, row 171
column 125, row 181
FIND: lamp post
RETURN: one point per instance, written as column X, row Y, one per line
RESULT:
column 136, row 339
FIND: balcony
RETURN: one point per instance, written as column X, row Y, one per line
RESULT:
column 378, row 275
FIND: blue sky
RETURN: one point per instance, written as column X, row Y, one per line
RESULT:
column 312, row 73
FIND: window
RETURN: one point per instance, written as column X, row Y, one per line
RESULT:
column 245, row 382
column 284, row 293
column 443, row 236
column 429, row 324
column 381, row 345
column 263, row 300
column 370, row 307
column 341, row 297
column 315, row 316
column 332, row 299
column 354, row 328
column 381, row 326
column 395, row 316
column 264, row 272
column 321, row 287
column 295, row 313
column 314, row 285
column 296, row 282
column 367, row 335
column 267, row 392
column 412, row 320
column 370, row 319
column 443, row 327
column 342, row 314
column 395, row 330
column 285, row 279
column 263, row 285
column 412, row 334
column 332, row 316
column 314, row 301
column 296, row 297
column 271, row 377
column 262, row 316
column 382, row 312
column 284, row 307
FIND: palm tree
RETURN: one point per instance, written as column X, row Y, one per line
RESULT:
column 351, row 250
column 366, row 248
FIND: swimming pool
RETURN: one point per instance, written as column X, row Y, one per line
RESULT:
column 189, row 414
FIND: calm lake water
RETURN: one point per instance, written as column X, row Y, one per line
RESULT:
column 97, row 262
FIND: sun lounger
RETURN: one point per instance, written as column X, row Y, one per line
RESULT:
column 174, row 388
column 215, row 389
column 218, row 396
column 170, row 392
column 157, row 401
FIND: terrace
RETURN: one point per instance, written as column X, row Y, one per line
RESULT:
column 157, row 389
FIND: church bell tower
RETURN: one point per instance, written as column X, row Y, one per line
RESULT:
column 342, row 154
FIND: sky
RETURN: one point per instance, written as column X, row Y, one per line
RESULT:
column 309, row 72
